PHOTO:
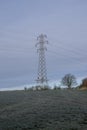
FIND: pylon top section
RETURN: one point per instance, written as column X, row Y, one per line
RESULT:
column 41, row 42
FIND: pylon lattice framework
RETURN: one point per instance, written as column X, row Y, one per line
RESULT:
column 42, row 71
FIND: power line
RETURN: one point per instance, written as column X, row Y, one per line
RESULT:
column 17, row 50
column 60, row 45
column 67, row 58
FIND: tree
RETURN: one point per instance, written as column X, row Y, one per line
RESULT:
column 69, row 80
column 84, row 82
column 83, row 85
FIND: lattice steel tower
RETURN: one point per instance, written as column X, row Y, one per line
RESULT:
column 42, row 71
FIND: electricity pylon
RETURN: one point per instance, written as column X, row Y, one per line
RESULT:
column 42, row 71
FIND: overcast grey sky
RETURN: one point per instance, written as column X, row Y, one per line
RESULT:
column 21, row 21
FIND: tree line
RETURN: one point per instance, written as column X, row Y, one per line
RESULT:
column 69, row 80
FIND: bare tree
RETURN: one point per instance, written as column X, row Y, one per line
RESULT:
column 69, row 80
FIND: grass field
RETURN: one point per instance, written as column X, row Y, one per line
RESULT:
column 43, row 110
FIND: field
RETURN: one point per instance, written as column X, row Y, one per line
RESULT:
column 43, row 110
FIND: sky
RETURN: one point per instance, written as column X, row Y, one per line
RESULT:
column 22, row 21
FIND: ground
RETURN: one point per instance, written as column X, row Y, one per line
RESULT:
column 43, row 110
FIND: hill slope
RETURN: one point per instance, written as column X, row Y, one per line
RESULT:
column 43, row 110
